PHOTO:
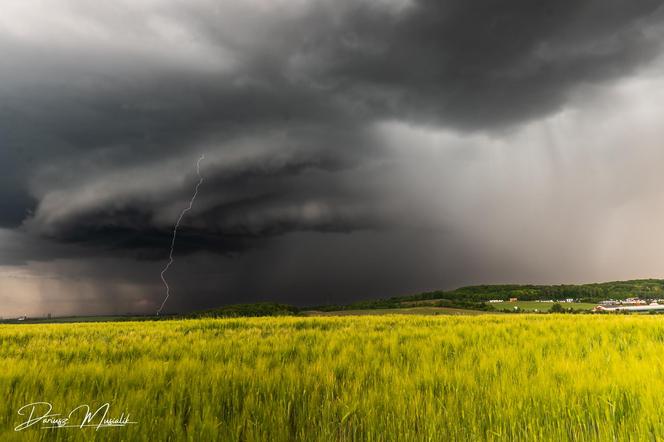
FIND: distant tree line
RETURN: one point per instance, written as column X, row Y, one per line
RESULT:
column 470, row 298
column 644, row 288
column 244, row 310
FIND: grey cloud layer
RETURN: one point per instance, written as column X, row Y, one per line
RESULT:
column 316, row 75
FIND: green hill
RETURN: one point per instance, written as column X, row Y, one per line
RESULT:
column 467, row 298
column 642, row 288
column 475, row 297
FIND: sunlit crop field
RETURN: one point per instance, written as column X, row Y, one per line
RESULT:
column 382, row 378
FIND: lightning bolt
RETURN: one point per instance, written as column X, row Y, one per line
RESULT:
column 175, row 233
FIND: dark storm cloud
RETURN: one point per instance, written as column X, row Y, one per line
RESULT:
column 103, row 111
column 319, row 77
column 480, row 65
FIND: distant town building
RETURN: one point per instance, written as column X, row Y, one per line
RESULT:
column 609, row 302
column 653, row 306
column 514, row 299
column 634, row 301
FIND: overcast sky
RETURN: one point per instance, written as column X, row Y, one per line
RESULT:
column 353, row 148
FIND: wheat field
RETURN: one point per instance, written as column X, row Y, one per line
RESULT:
column 382, row 378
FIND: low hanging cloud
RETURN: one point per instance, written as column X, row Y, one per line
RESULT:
column 280, row 105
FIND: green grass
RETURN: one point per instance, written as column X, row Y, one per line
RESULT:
column 68, row 319
column 366, row 378
column 397, row 311
column 531, row 306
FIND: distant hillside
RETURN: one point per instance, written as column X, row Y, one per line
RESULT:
column 643, row 288
column 468, row 298
column 474, row 297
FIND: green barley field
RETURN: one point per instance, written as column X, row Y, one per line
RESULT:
column 365, row 378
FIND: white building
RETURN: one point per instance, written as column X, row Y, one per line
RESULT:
column 630, row 308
